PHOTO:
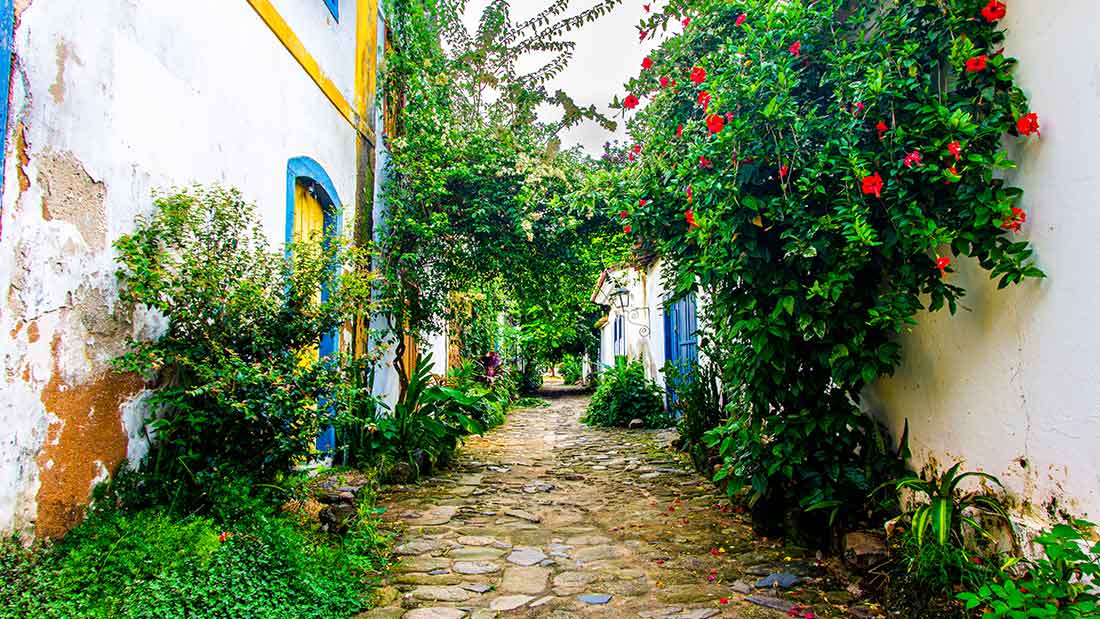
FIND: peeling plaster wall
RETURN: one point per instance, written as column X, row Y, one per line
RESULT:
column 107, row 105
column 1011, row 384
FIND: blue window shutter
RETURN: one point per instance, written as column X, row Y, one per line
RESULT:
column 6, row 35
column 334, row 8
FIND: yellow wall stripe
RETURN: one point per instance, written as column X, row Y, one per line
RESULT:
column 297, row 49
column 366, row 57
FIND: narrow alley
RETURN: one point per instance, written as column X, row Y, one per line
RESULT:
column 545, row 517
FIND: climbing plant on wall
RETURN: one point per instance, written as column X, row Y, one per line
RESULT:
column 819, row 168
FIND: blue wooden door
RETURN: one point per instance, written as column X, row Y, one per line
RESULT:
column 681, row 341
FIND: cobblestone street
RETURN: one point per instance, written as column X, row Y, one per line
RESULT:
column 545, row 517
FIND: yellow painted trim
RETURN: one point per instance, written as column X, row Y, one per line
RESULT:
column 297, row 49
column 366, row 56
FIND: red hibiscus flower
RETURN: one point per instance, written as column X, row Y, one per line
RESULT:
column 955, row 149
column 715, row 123
column 643, row 202
column 740, row 19
column 680, row 130
column 954, row 175
column 704, row 99
column 698, row 75
column 631, row 156
column 723, row 601
column 783, row 170
column 623, row 214
column 686, row 21
column 796, row 49
column 873, row 185
column 977, row 63
column 1016, row 220
column 882, row 128
column 664, row 81
column 691, row 195
column 913, row 159
column 994, row 11
column 637, row 148
column 705, row 163
column 647, row 63
column 729, row 116
column 630, row 102
column 942, row 264
column 858, row 108
column 642, row 35
column 689, row 217
column 627, row 228
column 1028, row 124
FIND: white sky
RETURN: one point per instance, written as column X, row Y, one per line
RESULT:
column 607, row 54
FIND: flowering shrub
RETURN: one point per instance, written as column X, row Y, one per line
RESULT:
column 852, row 149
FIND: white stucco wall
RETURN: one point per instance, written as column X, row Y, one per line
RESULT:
column 107, row 105
column 647, row 292
column 1011, row 384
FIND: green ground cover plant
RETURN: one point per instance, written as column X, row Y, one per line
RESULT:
column 1061, row 584
column 246, row 559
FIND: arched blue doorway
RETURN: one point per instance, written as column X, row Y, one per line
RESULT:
column 312, row 203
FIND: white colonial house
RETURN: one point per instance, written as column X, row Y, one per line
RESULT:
column 644, row 321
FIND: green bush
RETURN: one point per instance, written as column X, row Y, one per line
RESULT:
column 529, row 379
column 571, row 370
column 1061, row 585
column 156, row 563
column 237, row 389
column 625, row 394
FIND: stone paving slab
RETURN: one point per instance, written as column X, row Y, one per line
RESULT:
column 545, row 518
